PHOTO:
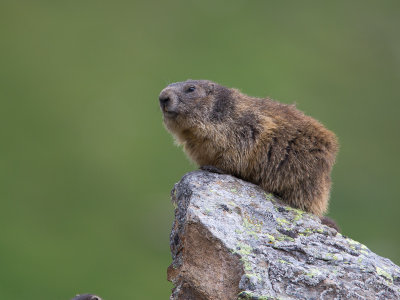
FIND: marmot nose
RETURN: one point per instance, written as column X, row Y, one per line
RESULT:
column 164, row 99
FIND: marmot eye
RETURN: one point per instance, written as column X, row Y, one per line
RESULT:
column 190, row 89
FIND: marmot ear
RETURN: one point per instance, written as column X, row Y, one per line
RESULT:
column 210, row 88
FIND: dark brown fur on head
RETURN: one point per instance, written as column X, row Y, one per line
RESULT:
column 262, row 141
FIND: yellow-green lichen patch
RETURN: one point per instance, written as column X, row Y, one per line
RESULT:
column 309, row 231
column 352, row 242
column 331, row 257
column 297, row 213
column 283, row 237
column 334, row 257
column 312, row 273
column 244, row 251
column 215, row 192
column 356, row 246
column 282, row 261
column 271, row 238
column 238, row 231
column 246, row 264
column 282, row 222
column 269, row 196
column 252, row 226
column 207, row 211
column 252, row 195
column 382, row 272
column 247, row 295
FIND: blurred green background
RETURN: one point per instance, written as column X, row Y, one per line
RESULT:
column 87, row 167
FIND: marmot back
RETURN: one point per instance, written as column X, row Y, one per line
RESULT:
column 271, row 144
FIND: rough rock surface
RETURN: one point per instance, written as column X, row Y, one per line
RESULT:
column 232, row 240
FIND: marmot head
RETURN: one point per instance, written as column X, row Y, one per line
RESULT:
column 193, row 102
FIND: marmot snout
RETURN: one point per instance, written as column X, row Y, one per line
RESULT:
column 271, row 144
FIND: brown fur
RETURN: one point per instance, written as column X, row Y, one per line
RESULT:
column 271, row 144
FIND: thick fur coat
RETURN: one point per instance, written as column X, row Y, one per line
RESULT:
column 271, row 144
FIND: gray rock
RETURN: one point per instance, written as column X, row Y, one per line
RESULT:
column 232, row 240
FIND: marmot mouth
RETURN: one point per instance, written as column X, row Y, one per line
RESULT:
column 170, row 114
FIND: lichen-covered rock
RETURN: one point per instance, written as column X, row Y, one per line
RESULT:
column 232, row 240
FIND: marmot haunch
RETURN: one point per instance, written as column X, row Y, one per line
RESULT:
column 262, row 141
